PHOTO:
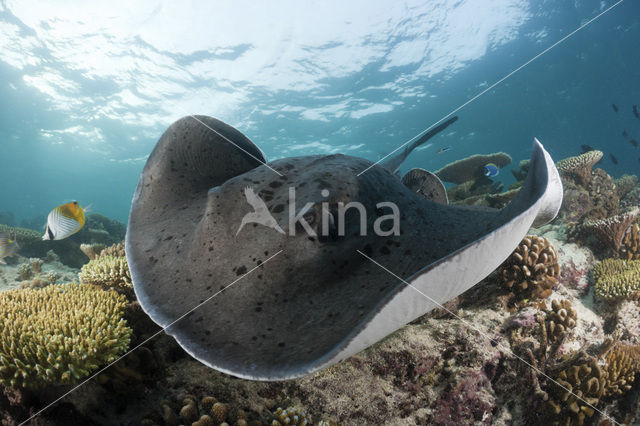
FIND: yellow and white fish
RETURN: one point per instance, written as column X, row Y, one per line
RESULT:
column 63, row 221
column 8, row 247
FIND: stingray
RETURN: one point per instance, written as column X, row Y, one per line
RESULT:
column 290, row 303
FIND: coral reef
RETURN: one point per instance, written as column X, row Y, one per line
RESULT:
column 521, row 172
column 471, row 168
column 617, row 279
column 604, row 199
column 114, row 250
column 630, row 247
column 578, row 168
column 612, row 230
column 532, row 269
column 59, row 334
column 625, row 184
column 560, row 318
column 92, row 250
column 108, row 272
column 621, row 365
column 290, row 416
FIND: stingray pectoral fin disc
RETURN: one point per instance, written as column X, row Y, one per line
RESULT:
column 427, row 184
column 538, row 202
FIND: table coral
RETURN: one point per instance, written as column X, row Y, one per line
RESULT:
column 108, row 272
column 92, row 250
column 612, row 230
column 579, row 167
column 532, row 269
column 617, row 279
column 59, row 334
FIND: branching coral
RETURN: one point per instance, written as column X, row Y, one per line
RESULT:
column 532, row 269
column 630, row 247
column 575, row 393
column 621, row 365
column 560, row 318
column 209, row 411
column 59, row 334
column 471, row 168
column 114, row 250
column 108, row 272
column 579, row 167
column 611, row 231
column 617, row 279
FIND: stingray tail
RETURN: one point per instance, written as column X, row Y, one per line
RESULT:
column 393, row 164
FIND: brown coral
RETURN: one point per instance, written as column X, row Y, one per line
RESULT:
column 577, row 391
column 611, row 231
column 532, row 269
column 471, row 168
column 579, row 167
column 630, row 247
column 560, row 318
column 621, row 366
column 116, row 250
column 92, row 250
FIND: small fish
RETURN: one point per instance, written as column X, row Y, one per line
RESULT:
column 586, row 148
column 444, row 149
column 63, row 221
column 635, row 111
column 633, row 142
column 625, row 134
column 491, row 170
column 8, row 247
column 615, row 107
column 613, row 159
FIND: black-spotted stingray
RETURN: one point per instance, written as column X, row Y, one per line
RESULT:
column 321, row 298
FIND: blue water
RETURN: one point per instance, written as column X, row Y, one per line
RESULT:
column 86, row 91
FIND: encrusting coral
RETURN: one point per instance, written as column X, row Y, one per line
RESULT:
column 611, row 231
column 579, row 167
column 59, row 334
column 471, row 168
column 617, row 279
column 108, row 272
column 630, row 247
column 532, row 269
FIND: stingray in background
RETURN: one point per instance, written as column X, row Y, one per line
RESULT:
column 320, row 299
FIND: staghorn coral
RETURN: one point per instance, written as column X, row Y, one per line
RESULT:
column 617, row 279
column 625, row 184
column 92, row 250
column 532, row 269
column 630, row 247
column 59, row 334
column 108, row 272
column 578, row 168
column 471, row 168
column 290, row 416
column 560, row 318
column 610, row 231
